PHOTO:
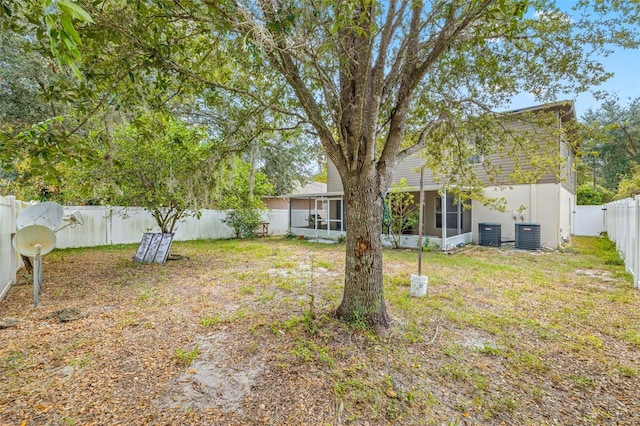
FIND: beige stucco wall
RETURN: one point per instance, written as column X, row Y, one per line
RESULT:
column 550, row 205
column 566, row 216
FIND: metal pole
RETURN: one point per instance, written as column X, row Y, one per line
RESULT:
column 420, row 224
column 342, row 213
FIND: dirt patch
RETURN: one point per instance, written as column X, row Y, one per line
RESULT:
column 475, row 340
column 596, row 274
column 217, row 379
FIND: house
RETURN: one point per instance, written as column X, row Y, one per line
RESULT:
column 547, row 202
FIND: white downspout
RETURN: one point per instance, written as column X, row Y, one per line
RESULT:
column 558, row 216
column 444, row 220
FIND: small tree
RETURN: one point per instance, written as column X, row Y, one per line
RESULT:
column 243, row 201
column 402, row 214
column 157, row 163
column 629, row 185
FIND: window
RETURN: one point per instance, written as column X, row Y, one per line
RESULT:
column 478, row 148
column 475, row 159
column 454, row 213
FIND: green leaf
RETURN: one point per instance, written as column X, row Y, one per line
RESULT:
column 67, row 25
column 51, row 179
column 5, row 9
column 67, row 41
column 76, row 70
column 50, row 21
column 74, row 11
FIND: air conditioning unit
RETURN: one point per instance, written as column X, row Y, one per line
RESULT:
column 489, row 234
column 528, row 236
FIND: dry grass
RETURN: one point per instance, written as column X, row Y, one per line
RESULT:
column 241, row 333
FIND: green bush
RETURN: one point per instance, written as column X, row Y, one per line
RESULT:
column 587, row 195
column 244, row 221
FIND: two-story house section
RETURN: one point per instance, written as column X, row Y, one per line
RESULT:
column 547, row 202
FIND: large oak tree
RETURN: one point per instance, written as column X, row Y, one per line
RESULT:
column 375, row 79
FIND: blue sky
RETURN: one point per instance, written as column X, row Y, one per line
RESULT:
column 625, row 83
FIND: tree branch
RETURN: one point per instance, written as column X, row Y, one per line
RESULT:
column 422, row 138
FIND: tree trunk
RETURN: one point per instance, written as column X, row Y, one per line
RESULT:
column 252, row 171
column 363, row 298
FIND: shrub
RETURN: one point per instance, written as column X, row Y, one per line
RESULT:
column 587, row 195
column 244, row 221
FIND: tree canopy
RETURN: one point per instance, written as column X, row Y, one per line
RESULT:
column 48, row 114
column 611, row 141
column 158, row 163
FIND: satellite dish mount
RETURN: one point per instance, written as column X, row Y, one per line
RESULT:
column 35, row 236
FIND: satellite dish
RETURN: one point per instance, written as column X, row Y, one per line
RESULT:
column 27, row 238
column 36, row 236
column 47, row 214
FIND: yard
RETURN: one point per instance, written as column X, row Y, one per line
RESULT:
column 240, row 333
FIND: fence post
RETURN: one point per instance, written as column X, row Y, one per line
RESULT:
column 630, row 253
column 622, row 222
column 636, row 233
column 12, row 225
column 627, row 225
column 614, row 233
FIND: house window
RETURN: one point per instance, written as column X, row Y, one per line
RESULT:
column 454, row 213
column 478, row 147
column 475, row 159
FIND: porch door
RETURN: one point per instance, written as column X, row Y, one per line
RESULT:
column 321, row 215
column 453, row 213
column 336, row 213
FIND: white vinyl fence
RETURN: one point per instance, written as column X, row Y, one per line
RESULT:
column 622, row 222
column 588, row 220
column 115, row 225
column 10, row 262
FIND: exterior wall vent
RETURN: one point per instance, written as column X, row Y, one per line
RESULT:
column 489, row 234
column 528, row 236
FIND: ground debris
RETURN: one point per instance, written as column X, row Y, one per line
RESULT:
column 9, row 322
column 66, row 315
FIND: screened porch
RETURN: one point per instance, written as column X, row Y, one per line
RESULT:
column 445, row 221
